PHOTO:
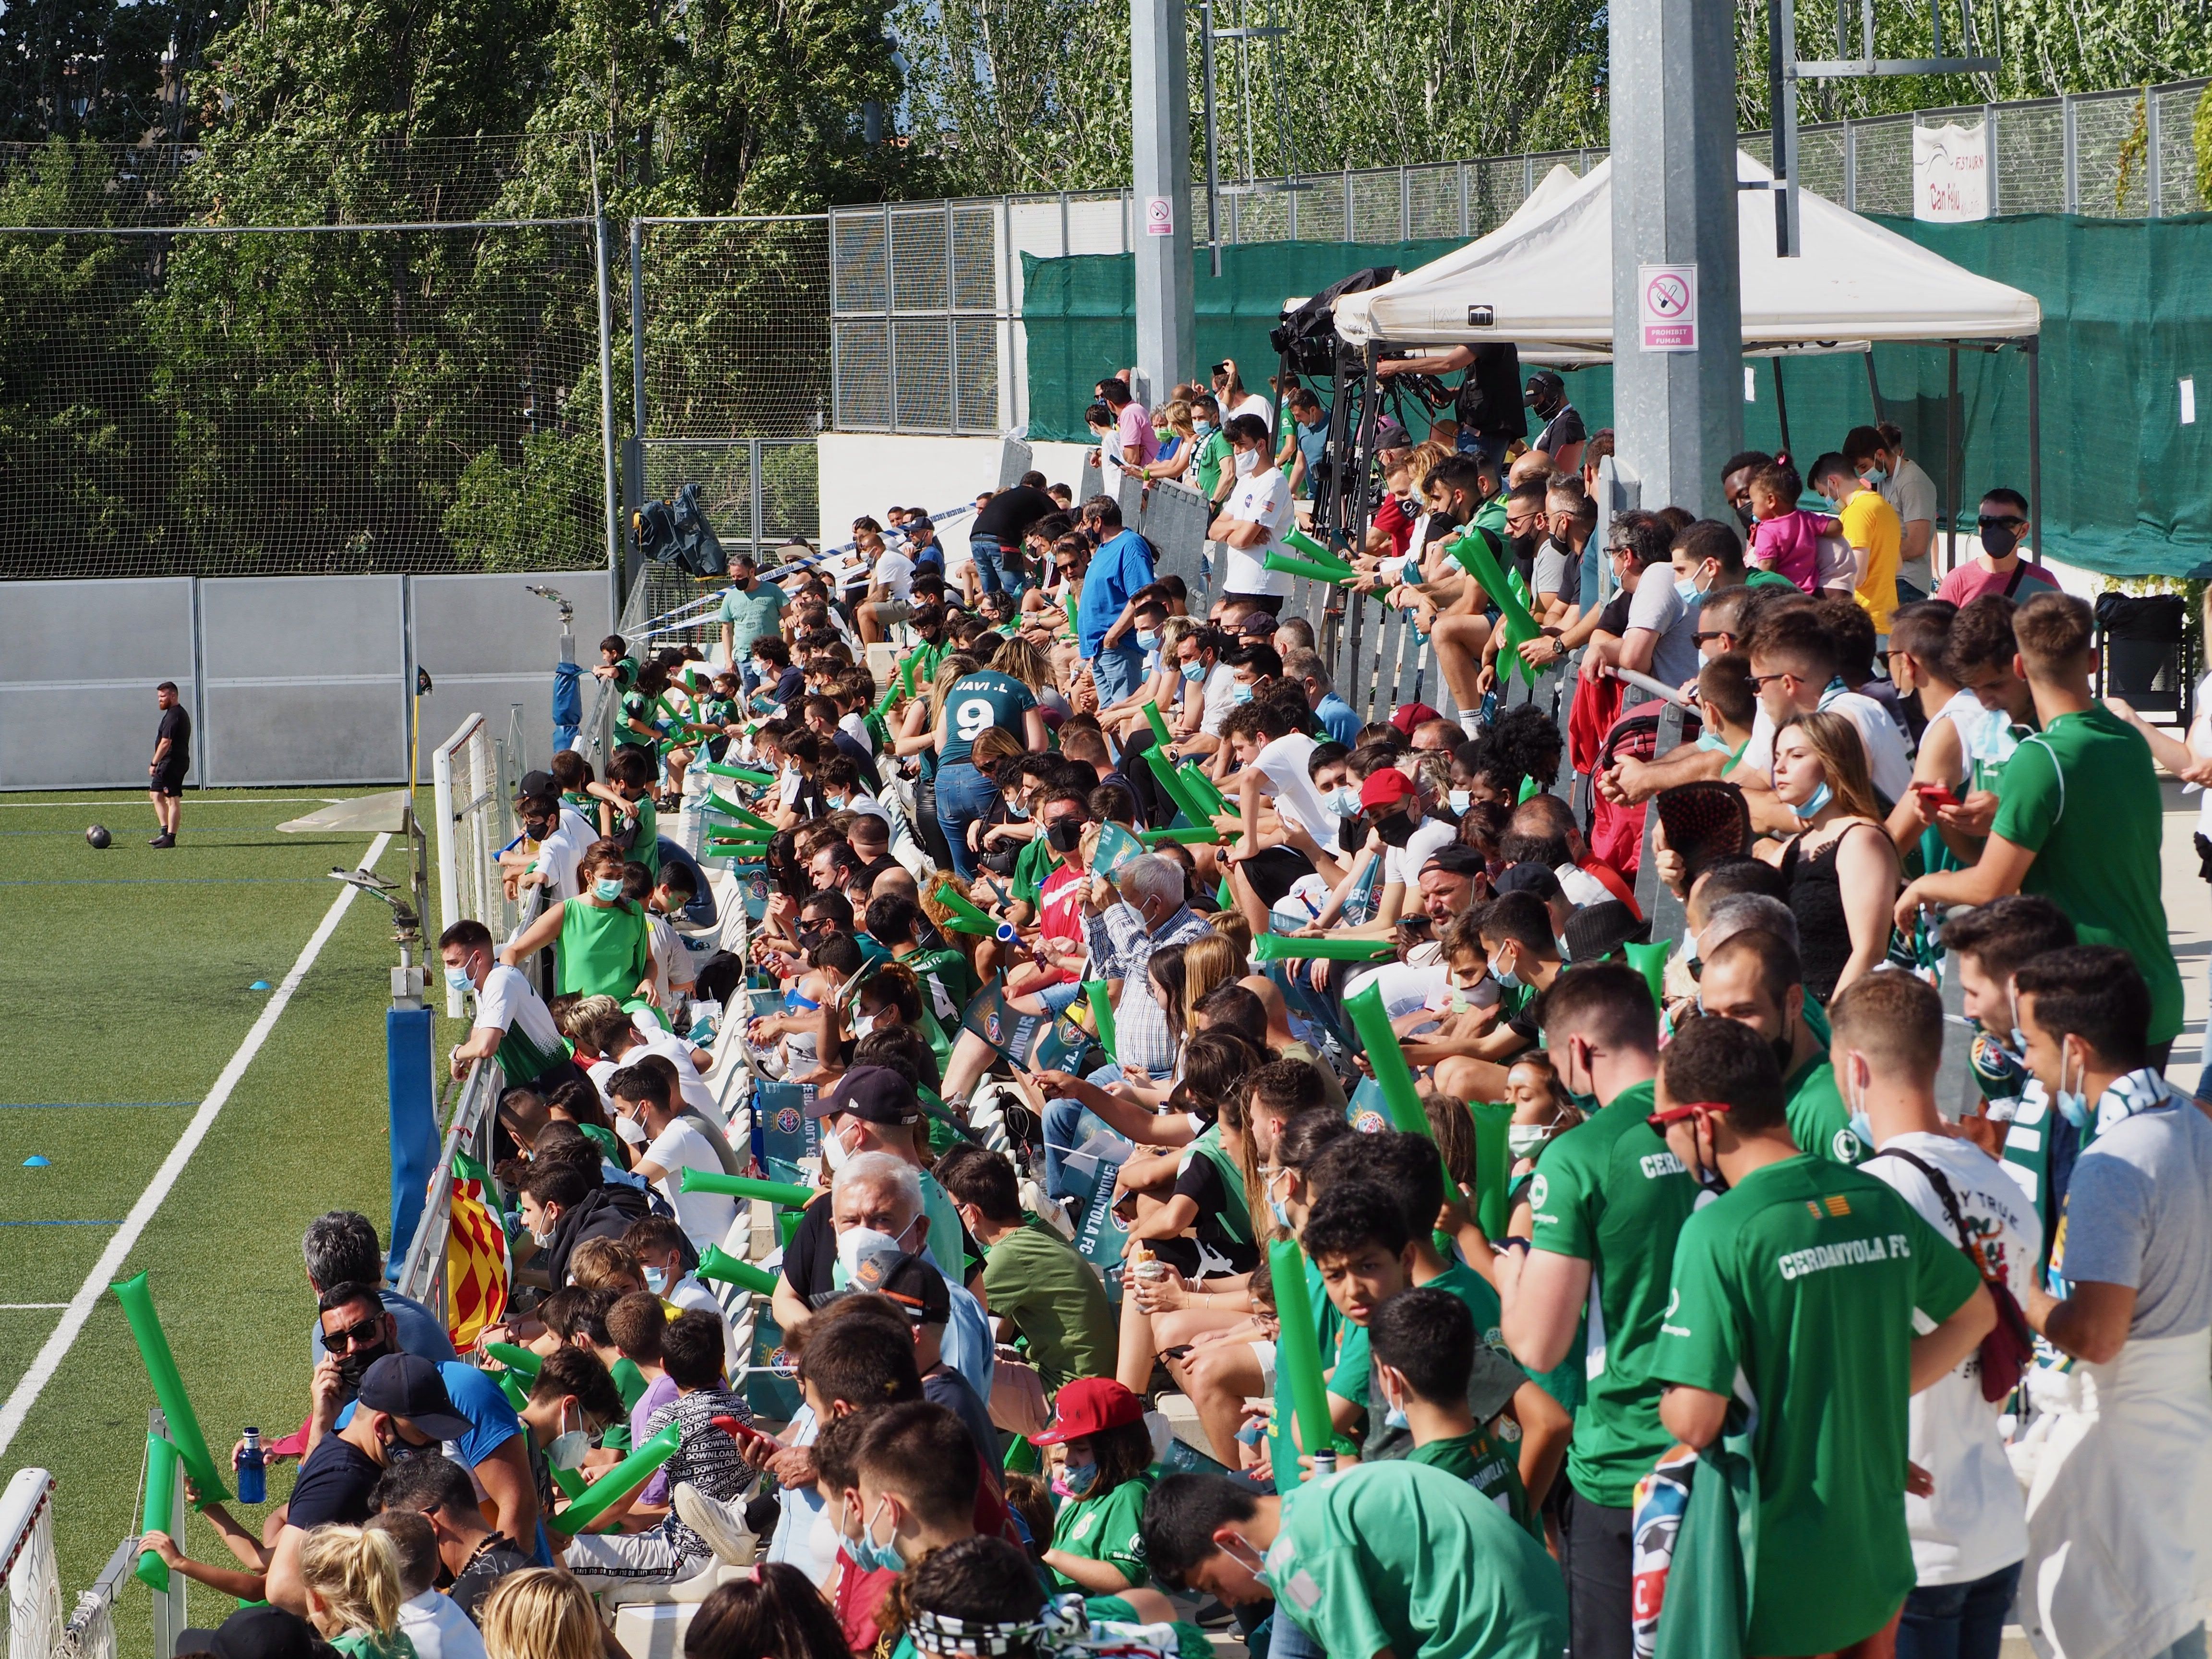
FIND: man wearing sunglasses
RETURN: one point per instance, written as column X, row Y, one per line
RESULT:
column 1998, row 566
column 1796, row 1291
column 1605, row 1205
column 359, row 1333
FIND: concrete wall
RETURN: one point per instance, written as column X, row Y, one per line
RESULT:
column 288, row 679
column 863, row 473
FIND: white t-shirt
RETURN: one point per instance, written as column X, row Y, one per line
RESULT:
column 1220, row 698
column 1284, row 760
column 668, row 952
column 508, row 1003
column 1580, row 886
column 1976, row 1520
column 1886, row 760
column 854, row 726
column 1263, row 498
column 439, row 1629
column 706, row 1218
column 1253, row 405
column 689, row 1294
column 654, row 1040
column 894, row 572
column 1403, row 863
column 560, row 853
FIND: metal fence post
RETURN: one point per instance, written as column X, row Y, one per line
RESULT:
column 607, row 403
column 1996, row 172
column 760, row 495
column 1851, row 166
column 890, row 314
column 1405, row 204
column 636, row 493
column 1466, row 223
column 2071, row 153
column 171, row 1619
column 2154, row 170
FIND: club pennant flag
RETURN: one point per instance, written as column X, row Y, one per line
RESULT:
column 1116, row 846
column 476, row 1266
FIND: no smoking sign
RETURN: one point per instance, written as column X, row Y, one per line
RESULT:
column 1667, row 307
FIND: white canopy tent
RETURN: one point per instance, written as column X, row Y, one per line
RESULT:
column 1546, row 275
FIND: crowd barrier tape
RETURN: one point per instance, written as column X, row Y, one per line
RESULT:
column 170, row 1389
column 789, row 1195
column 1298, row 1356
column 161, row 1503
column 618, row 1482
column 715, row 1262
column 1286, row 947
column 1101, row 1015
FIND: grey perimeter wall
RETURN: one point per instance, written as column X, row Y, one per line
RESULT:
column 288, row 679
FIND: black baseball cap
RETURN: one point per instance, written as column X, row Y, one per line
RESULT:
column 874, row 1093
column 407, row 1385
column 1529, row 877
column 1456, row 859
column 537, row 785
column 918, row 1288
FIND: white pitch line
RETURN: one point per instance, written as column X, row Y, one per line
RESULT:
column 49, row 1357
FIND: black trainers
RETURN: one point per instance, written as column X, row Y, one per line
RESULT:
column 162, row 841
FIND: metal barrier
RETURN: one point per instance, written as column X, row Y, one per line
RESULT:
column 474, row 822
column 30, row 1578
column 422, row 1272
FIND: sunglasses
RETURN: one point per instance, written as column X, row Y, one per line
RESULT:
column 1667, row 1116
column 369, row 1331
column 1758, row 682
column 1989, row 522
column 1700, row 637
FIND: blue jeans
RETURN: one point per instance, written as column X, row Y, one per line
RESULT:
column 1287, row 1640
column 1958, row 1621
column 985, row 551
column 1117, row 671
column 964, row 795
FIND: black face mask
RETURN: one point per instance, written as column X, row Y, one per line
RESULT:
column 1064, row 836
column 538, row 829
column 1785, row 1052
column 1396, row 829
column 353, row 1365
column 1351, row 830
column 1525, row 547
column 1743, row 512
column 1998, row 540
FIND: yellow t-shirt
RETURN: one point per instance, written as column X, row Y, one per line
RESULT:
column 1872, row 523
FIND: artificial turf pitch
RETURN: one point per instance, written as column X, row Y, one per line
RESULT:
column 125, row 974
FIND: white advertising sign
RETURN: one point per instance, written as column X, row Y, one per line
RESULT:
column 1951, row 172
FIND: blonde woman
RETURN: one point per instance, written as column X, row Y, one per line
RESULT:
column 1178, row 446
column 1842, row 884
column 540, row 1613
column 1023, row 658
column 352, row 1581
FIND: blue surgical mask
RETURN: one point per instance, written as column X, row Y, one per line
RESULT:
column 1076, row 1481
column 1344, row 802
column 1019, row 814
column 2073, row 1103
column 1202, row 428
column 835, row 802
column 1688, row 590
column 1147, row 640
column 1282, row 1215
column 872, row 1557
column 1193, row 672
column 1877, row 476
column 1505, row 977
column 607, row 889
column 656, row 1281
column 1240, row 691
column 459, row 978
column 1812, row 809
column 1460, row 800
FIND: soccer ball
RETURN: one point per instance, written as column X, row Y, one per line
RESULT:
column 98, row 835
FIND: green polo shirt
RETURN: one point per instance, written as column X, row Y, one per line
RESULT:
column 1105, row 1528
column 1799, row 1286
column 1609, row 1193
column 1820, row 1122
column 2083, row 797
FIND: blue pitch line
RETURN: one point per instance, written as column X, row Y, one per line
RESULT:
column 73, row 1105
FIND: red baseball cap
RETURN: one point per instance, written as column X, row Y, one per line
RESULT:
column 1088, row 1405
column 1385, row 788
column 1411, row 715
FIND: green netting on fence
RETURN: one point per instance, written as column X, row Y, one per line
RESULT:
column 2127, row 489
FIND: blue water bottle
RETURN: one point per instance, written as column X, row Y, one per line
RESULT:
column 253, row 1470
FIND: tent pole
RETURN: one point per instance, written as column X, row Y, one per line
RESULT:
column 1954, row 465
column 2031, row 346
column 1874, row 387
column 1781, row 404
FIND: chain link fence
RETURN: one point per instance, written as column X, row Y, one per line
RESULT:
column 374, row 357
column 919, row 288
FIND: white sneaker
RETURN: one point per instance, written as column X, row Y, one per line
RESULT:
column 722, row 1525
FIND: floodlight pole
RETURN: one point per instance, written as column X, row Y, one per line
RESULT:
column 1159, row 111
column 1679, row 412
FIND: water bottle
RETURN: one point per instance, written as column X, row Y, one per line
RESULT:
column 1324, row 1466
column 253, row 1470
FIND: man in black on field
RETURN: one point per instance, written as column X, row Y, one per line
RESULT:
column 172, row 758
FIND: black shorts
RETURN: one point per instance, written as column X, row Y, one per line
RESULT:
column 1273, row 871
column 169, row 780
column 1270, row 603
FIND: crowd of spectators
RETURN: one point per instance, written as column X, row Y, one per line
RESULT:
column 1689, row 1220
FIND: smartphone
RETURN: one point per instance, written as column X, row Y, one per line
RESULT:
column 745, row 1434
column 1933, row 795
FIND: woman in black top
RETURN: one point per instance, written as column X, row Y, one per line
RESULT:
column 1841, row 866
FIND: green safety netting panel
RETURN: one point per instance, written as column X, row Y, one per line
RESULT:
column 2127, row 316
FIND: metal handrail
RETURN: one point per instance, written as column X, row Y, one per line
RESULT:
column 422, row 1272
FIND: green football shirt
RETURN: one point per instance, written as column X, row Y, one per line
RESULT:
column 2096, row 859
column 1041, row 1285
column 1349, row 1381
column 1479, row 1461
column 1403, row 1556
column 1609, row 1193
column 1820, row 1122
column 1105, row 1528
column 977, row 702
column 1802, row 1280
column 1213, row 455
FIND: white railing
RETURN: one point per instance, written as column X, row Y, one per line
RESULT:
column 422, row 1272
column 30, row 1579
column 474, row 823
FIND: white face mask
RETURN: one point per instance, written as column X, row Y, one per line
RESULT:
column 856, row 1242
column 864, row 1023
column 1527, row 1139
column 1248, row 462
column 630, row 1129
column 567, row 1450
column 833, row 1149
